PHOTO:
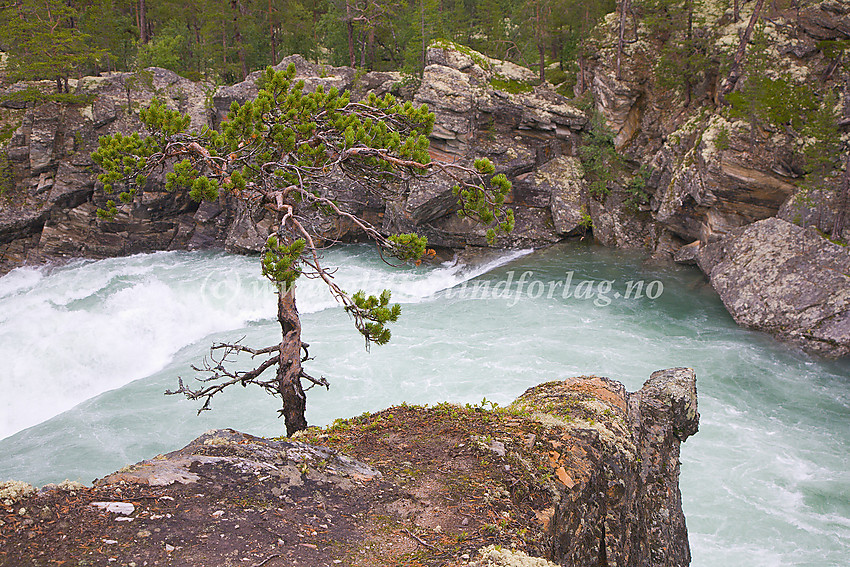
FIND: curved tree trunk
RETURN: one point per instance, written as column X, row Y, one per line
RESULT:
column 289, row 365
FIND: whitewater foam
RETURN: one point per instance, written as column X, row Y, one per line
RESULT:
column 72, row 332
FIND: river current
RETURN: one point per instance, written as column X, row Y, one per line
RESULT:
column 88, row 349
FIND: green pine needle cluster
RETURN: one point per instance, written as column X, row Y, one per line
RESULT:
column 313, row 129
column 408, row 247
column 372, row 314
column 124, row 161
column 280, row 261
column 486, row 203
column 159, row 118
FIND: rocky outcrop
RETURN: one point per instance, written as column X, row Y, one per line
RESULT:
column 712, row 172
column 490, row 108
column 52, row 215
column 789, row 281
column 579, row 472
column 621, row 510
column 716, row 178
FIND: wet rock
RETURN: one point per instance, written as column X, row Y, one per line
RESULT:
column 687, row 254
column 789, row 281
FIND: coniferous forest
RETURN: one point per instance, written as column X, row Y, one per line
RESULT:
column 221, row 41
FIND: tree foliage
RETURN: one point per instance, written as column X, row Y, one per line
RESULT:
column 223, row 40
column 284, row 151
column 44, row 41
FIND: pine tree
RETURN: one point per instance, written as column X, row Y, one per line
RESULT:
column 43, row 42
column 282, row 151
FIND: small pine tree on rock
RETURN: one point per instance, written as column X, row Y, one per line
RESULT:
column 282, row 151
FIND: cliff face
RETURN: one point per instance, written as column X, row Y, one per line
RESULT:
column 50, row 212
column 713, row 173
column 716, row 178
column 578, row 472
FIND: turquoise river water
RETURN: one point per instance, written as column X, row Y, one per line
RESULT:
column 89, row 348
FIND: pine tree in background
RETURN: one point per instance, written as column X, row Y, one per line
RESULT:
column 43, row 41
column 283, row 151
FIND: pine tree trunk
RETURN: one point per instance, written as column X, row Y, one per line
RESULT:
column 735, row 70
column 540, row 33
column 371, row 50
column 422, row 32
column 143, row 22
column 289, row 365
column 689, row 53
column 349, row 25
column 542, row 55
column 842, row 201
column 621, row 38
column 272, row 36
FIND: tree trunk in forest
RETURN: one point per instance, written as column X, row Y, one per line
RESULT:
column 371, row 49
column 736, row 11
column 621, row 38
column 143, row 22
column 238, row 12
column 845, row 114
column 542, row 53
column 540, row 34
column 842, row 202
column 271, row 35
column 349, row 25
column 690, row 47
column 422, row 32
column 735, row 70
column 581, row 83
column 224, row 50
column 289, row 366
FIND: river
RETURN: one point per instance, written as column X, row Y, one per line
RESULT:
column 89, row 348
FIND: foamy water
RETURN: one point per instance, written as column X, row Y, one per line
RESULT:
column 90, row 348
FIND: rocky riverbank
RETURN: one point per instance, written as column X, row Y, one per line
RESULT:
column 577, row 472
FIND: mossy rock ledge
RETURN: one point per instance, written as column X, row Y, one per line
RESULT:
column 574, row 472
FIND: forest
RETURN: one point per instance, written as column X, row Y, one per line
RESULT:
column 221, row 41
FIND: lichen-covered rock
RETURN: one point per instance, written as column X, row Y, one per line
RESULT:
column 575, row 472
column 715, row 188
column 789, row 281
column 620, row 502
column 492, row 556
column 248, row 455
column 618, row 225
column 562, row 179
